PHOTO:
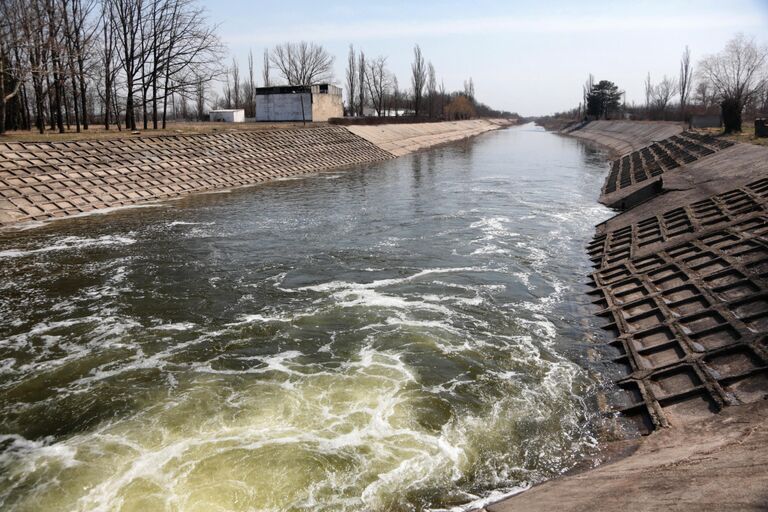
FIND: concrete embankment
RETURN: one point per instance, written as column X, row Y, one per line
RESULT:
column 401, row 139
column 41, row 181
column 623, row 137
column 681, row 280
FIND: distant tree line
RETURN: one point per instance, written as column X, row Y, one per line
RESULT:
column 71, row 64
column 370, row 88
column 732, row 83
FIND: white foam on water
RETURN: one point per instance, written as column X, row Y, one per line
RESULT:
column 70, row 243
column 479, row 503
column 36, row 453
column 489, row 249
column 340, row 285
column 180, row 326
column 186, row 223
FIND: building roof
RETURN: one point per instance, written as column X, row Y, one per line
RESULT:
column 297, row 89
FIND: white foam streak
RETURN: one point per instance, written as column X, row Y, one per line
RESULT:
column 70, row 243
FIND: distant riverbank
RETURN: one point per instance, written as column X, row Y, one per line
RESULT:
column 41, row 181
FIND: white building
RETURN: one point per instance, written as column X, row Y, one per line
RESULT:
column 227, row 116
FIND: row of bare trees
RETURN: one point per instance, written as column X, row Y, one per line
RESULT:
column 733, row 83
column 735, row 80
column 298, row 64
column 72, row 62
column 369, row 83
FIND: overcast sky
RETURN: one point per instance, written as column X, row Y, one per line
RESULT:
column 524, row 56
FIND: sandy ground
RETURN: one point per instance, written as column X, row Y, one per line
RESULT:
column 720, row 464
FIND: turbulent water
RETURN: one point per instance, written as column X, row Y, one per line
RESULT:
column 402, row 336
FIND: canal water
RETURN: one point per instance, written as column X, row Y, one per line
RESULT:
column 408, row 335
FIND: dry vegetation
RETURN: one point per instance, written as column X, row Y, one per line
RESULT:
column 747, row 135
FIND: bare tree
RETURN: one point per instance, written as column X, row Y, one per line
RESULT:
column 12, row 73
column 395, row 103
column 108, row 55
column 703, row 94
column 663, row 92
column 418, row 78
column 648, row 87
column 57, row 78
column 302, row 63
column 265, row 69
column 431, row 89
column 200, row 98
column 469, row 89
column 235, row 70
column 227, row 91
column 250, row 89
column 193, row 52
column 443, row 97
column 685, row 83
column 71, row 59
column 737, row 75
column 351, row 80
column 378, row 83
column 81, row 36
column 361, row 68
column 126, row 22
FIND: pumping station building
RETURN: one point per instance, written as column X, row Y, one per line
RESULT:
column 316, row 103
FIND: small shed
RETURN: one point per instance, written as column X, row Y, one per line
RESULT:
column 228, row 115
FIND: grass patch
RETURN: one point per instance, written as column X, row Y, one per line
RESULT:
column 747, row 135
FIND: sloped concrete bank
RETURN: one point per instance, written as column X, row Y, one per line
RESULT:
column 621, row 137
column 49, row 180
column 681, row 280
column 401, row 139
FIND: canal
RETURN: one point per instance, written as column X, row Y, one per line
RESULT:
column 409, row 335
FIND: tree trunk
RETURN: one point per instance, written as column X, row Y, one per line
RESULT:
column 37, row 86
column 144, row 106
column 66, row 107
column 154, row 102
column 2, row 93
column 51, row 107
column 25, row 101
column 130, row 119
column 731, row 111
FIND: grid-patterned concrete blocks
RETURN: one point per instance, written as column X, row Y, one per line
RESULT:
column 41, row 181
column 684, row 291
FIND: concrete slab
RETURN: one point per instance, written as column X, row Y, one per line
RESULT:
column 715, row 465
